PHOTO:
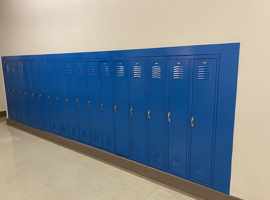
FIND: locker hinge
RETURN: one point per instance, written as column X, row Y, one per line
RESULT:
column 115, row 109
column 89, row 104
column 77, row 101
column 67, row 101
column 101, row 106
column 192, row 121
column 131, row 111
column 148, row 114
column 169, row 117
column 57, row 99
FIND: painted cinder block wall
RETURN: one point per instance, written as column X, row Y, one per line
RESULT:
column 63, row 26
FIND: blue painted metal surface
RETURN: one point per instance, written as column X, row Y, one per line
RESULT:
column 22, row 117
column 201, row 153
column 121, row 109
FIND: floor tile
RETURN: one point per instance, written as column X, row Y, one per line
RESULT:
column 113, row 188
column 127, row 178
column 162, row 193
column 131, row 194
column 145, row 186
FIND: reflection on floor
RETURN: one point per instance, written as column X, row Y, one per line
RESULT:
column 33, row 168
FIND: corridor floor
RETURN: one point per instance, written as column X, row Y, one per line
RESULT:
column 33, row 168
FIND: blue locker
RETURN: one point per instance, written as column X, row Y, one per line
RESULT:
column 28, row 94
column 178, row 89
column 54, row 99
column 22, row 97
column 94, row 97
column 156, row 112
column 36, row 95
column 70, row 82
column 8, row 83
column 44, row 71
column 62, row 99
column 202, row 122
column 106, row 81
column 138, row 110
column 16, row 113
column 82, row 101
column 121, row 108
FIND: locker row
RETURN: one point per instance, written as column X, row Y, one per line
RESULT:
column 157, row 111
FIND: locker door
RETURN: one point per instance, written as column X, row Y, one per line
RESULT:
column 203, row 108
column 82, row 101
column 22, row 97
column 178, row 88
column 138, row 109
column 8, row 83
column 70, row 79
column 156, row 112
column 121, row 107
column 18, row 92
column 94, row 97
column 15, row 86
column 54, row 99
column 44, row 70
column 28, row 94
column 36, row 95
column 106, row 81
column 62, row 99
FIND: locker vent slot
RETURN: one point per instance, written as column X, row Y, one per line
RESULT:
column 63, row 128
column 120, row 71
column 73, row 131
column 108, row 141
column 26, row 69
column 79, row 70
column 122, row 146
column 177, row 162
column 156, row 156
column 91, row 70
column 96, row 137
column 20, row 68
column 156, row 72
column 58, row 70
column 49, row 69
column 178, row 72
column 200, row 170
column 137, row 71
column 204, row 73
column 139, row 150
column 84, row 134
column 54, row 126
column 105, row 71
column 68, row 70
column 40, row 69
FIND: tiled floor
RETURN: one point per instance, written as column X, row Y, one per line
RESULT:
column 33, row 168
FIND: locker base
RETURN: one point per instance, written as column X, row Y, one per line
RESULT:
column 155, row 175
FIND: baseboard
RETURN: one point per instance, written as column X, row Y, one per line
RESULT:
column 174, row 182
column 3, row 113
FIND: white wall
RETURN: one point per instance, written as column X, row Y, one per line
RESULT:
column 59, row 26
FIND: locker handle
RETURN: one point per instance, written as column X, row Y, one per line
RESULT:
column 115, row 109
column 77, row 101
column 57, row 99
column 33, row 95
column 20, row 93
column 67, row 101
column 14, row 91
column 89, row 104
column 40, row 96
column 25, row 93
column 148, row 114
column 8, row 90
column 131, row 111
column 101, row 106
column 169, row 117
column 192, row 121
column 48, row 98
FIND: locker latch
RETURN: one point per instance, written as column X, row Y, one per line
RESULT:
column 148, row 114
column 40, row 96
column 131, row 111
column 169, row 117
column 67, row 101
column 33, row 95
column 57, row 99
column 25, row 93
column 77, row 101
column 14, row 91
column 48, row 98
column 192, row 121
column 101, row 106
column 115, row 109
column 8, row 90
column 89, row 104
column 19, row 92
